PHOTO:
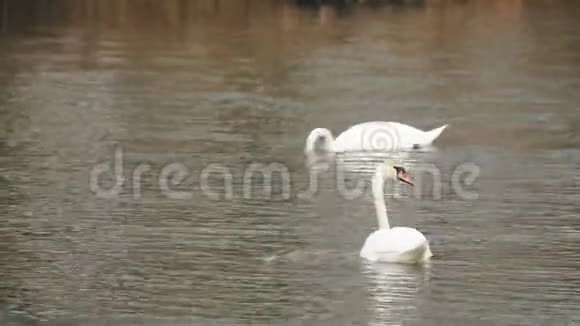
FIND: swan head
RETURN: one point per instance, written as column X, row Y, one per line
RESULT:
column 402, row 175
column 317, row 135
column 393, row 172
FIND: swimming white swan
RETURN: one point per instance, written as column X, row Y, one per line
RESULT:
column 398, row 244
column 373, row 136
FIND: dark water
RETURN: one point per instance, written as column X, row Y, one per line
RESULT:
column 207, row 86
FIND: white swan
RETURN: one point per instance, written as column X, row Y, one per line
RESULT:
column 398, row 244
column 373, row 136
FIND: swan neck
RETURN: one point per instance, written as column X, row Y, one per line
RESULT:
column 327, row 138
column 378, row 196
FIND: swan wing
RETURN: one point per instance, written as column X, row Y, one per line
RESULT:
column 382, row 136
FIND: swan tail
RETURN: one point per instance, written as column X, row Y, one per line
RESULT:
column 435, row 133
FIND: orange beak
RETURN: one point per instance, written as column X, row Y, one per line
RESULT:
column 404, row 177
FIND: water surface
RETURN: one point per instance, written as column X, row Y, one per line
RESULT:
column 208, row 85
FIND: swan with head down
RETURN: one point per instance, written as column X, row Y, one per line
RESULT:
column 397, row 244
column 377, row 136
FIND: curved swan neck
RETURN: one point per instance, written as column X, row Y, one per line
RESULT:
column 327, row 138
column 378, row 196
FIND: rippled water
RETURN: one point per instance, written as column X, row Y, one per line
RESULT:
column 203, row 87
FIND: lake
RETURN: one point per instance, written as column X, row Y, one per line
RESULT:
column 133, row 136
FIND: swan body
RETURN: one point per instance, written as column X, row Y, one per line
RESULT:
column 398, row 244
column 373, row 136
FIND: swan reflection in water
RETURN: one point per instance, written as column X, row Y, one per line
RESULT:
column 361, row 162
column 393, row 291
column 365, row 162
